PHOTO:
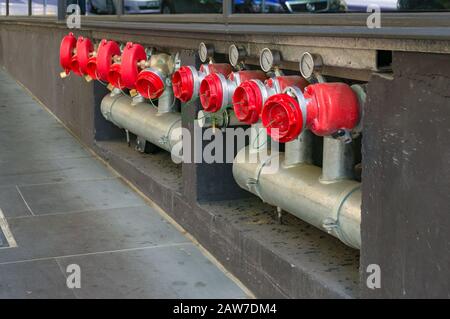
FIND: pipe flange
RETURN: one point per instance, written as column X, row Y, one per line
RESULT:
column 296, row 93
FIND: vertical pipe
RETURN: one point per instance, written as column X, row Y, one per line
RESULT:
column 166, row 102
column 338, row 160
column 299, row 151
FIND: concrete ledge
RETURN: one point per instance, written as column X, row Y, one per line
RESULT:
column 292, row 260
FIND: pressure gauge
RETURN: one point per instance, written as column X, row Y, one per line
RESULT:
column 309, row 64
column 236, row 54
column 267, row 59
column 205, row 52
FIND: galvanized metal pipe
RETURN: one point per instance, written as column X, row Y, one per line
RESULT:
column 299, row 151
column 298, row 189
column 159, row 128
column 338, row 160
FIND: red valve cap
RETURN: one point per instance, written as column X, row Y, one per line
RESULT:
column 183, row 84
column 150, row 84
column 75, row 66
column 282, row 118
column 66, row 51
column 132, row 54
column 332, row 107
column 106, row 51
column 84, row 52
column 211, row 93
column 91, row 68
column 114, row 76
column 248, row 102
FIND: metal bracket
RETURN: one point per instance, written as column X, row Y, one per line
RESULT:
column 140, row 144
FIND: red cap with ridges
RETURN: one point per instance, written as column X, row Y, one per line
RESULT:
column 131, row 55
column 114, row 76
column 105, row 53
column 84, row 52
column 66, row 51
column 211, row 93
column 248, row 102
column 183, row 84
column 282, row 117
column 150, row 85
column 75, row 66
column 91, row 68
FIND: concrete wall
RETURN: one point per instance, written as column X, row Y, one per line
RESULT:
column 31, row 55
column 406, row 184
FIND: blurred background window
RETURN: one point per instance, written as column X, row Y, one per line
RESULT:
column 172, row 6
column 330, row 6
column 2, row 7
column 44, row 7
column 18, row 7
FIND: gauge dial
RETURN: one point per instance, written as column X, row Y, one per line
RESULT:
column 309, row 64
column 268, row 59
column 236, row 54
column 204, row 52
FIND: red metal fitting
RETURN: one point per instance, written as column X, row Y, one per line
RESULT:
column 331, row 107
column 66, row 51
column 222, row 68
column 106, row 51
column 150, row 84
column 248, row 101
column 216, row 91
column 85, row 49
column 325, row 108
column 114, row 76
column 132, row 54
column 249, row 97
column 211, row 92
column 280, row 83
column 186, row 80
column 183, row 83
column 282, row 118
column 91, row 68
column 75, row 65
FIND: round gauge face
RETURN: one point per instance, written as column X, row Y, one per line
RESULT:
column 203, row 52
column 266, row 60
column 307, row 65
column 233, row 55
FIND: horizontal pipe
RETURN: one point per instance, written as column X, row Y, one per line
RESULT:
column 144, row 120
column 297, row 189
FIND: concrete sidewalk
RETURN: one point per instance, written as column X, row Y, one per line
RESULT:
column 62, row 206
